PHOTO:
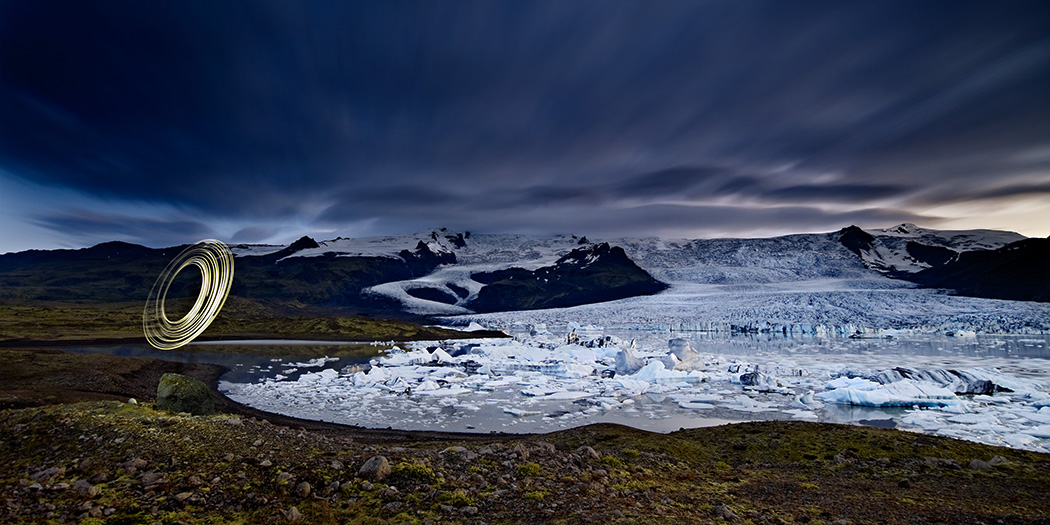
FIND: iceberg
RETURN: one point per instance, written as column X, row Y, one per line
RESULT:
column 903, row 393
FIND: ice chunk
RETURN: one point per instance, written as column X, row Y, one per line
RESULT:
column 627, row 363
column 680, row 349
column 901, row 393
column 520, row 412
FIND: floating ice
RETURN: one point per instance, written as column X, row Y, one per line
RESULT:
column 903, row 393
column 497, row 385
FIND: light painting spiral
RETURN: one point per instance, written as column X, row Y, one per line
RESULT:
column 215, row 261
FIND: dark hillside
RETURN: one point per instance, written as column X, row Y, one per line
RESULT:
column 1019, row 271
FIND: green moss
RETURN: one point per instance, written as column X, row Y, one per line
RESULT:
column 457, row 498
column 530, row 470
column 412, row 473
column 536, row 495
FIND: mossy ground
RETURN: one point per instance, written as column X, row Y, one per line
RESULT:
column 239, row 319
column 154, row 467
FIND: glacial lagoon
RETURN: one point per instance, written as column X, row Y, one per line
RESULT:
column 537, row 383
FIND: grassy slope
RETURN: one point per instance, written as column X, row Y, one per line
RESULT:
column 239, row 318
column 218, row 469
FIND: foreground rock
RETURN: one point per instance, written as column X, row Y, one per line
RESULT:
column 178, row 393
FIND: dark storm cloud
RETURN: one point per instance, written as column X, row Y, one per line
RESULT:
column 412, row 115
column 1019, row 189
column 670, row 182
column 93, row 228
column 838, row 193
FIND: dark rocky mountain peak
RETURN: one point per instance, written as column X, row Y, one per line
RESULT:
column 304, row 243
column 585, row 275
column 424, row 260
column 856, row 240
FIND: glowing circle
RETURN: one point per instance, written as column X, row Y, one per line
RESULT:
column 215, row 262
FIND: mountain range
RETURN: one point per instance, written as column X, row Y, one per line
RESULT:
column 442, row 272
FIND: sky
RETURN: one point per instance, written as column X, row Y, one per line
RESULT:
column 167, row 122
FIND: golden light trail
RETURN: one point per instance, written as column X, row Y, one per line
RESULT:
column 215, row 261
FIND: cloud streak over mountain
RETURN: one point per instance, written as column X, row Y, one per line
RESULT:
column 267, row 120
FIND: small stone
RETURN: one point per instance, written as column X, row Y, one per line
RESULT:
column 588, row 452
column 489, row 450
column 86, row 489
column 846, row 456
column 183, row 496
column 284, row 477
column 337, row 465
column 521, row 451
column 469, row 511
column 366, row 486
column 152, row 478
column 724, row 512
column 138, row 463
column 48, row 473
column 302, row 489
column 229, row 457
column 390, row 492
column 998, row 460
column 133, row 401
column 59, row 486
column 235, row 421
column 462, row 453
column 265, row 463
column 257, row 443
column 943, row 463
column 546, row 448
column 377, row 468
column 392, row 506
column 293, row 515
column 978, row 464
column 195, row 481
column 332, row 487
column 215, row 480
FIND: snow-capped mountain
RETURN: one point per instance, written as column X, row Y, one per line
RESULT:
column 844, row 280
column 907, row 248
column 848, row 280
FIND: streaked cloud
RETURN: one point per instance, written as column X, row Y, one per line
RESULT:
column 245, row 119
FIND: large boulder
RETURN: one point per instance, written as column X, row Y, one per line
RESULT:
column 179, row 393
column 377, row 468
